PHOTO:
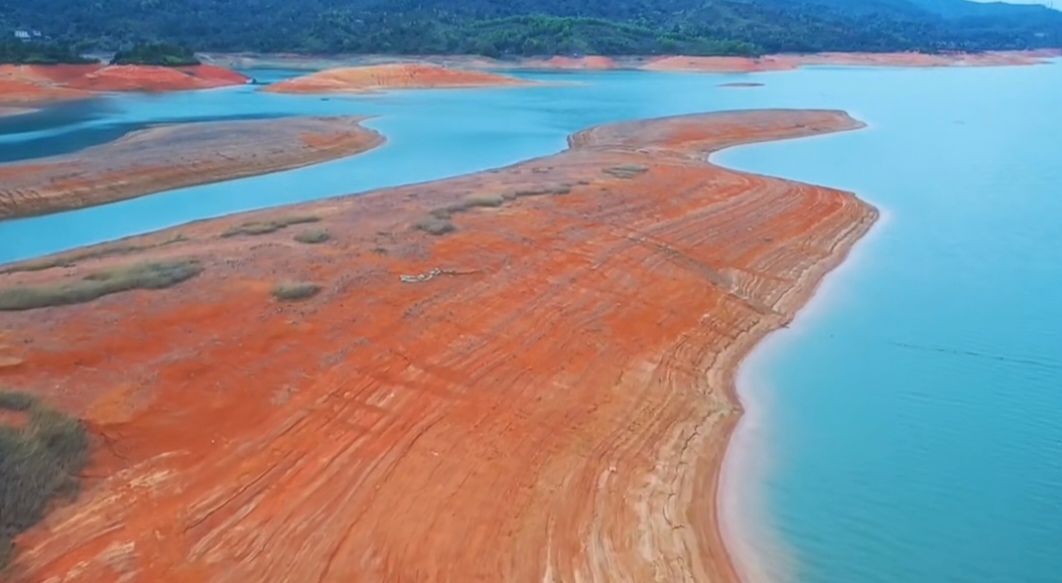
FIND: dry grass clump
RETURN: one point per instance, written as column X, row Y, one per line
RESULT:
column 266, row 227
column 546, row 191
column 158, row 275
column 39, row 462
column 313, row 237
column 293, row 292
column 627, row 171
column 435, row 226
column 439, row 221
column 71, row 260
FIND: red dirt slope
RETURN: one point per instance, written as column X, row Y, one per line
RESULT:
column 543, row 394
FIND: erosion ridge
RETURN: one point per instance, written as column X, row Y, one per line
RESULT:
column 167, row 157
column 543, row 394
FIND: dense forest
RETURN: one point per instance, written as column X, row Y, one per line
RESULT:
column 38, row 53
column 540, row 27
column 160, row 54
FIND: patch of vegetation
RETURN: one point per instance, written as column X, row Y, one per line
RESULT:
column 158, row 54
column 627, row 171
column 39, row 462
column 439, row 221
column 435, row 226
column 71, row 260
column 548, row 191
column 16, row 52
column 266, row 227
column 293, row 292
column 313, row 237
column 158, row 275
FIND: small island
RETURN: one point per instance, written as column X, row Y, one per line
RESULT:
column 391, row 76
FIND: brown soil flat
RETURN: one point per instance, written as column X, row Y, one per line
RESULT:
column 549, row 400
column 21, row 84
column 391, row 76
column 167, row 157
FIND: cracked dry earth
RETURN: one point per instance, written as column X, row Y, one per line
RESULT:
column 552, row 404
column 173, row 156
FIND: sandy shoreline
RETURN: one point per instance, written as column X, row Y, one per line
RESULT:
column 672, row 63
column 476, row 437
column 174, row 156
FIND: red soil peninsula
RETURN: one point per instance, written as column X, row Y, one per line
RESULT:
column 391, row 76
column 23, row 84
column 167, row 157
column 542, row 390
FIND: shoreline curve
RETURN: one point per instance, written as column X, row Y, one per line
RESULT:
column 595, row 306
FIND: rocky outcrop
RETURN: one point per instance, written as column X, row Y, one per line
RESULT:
column 542, row 391
column 168, row 157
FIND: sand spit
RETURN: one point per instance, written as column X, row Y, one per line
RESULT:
column 167, row 157
column 741, row 85
column 542, row 391
column 12, row 111
column 388, row 77
column 31, row 84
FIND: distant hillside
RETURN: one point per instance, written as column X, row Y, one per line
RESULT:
column 541, row 27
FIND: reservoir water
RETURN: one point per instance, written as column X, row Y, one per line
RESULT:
column 908, row 427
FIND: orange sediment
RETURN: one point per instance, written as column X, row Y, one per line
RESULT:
column 167, row 157
column 390, row 76
column 21, row 84
column 545, row 396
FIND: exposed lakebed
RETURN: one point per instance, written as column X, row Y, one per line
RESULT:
column 909, row 421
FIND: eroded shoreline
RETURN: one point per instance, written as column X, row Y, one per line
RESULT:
column 167, row 157
column 549, row 396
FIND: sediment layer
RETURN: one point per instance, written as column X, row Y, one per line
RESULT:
column 542, row 391
column 167, row 157
column 388, row 77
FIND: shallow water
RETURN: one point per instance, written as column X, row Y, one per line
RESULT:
column 908, row 427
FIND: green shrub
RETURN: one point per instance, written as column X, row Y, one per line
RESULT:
column 38, row 462
column 292, row 292
column 263, row 228
column 96, row 285
column 313, row 237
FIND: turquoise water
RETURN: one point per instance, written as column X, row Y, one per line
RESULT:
column 908, row 428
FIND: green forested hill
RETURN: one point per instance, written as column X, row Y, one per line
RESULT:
column 541, row 27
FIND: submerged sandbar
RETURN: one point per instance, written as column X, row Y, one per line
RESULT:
column 524, row 374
